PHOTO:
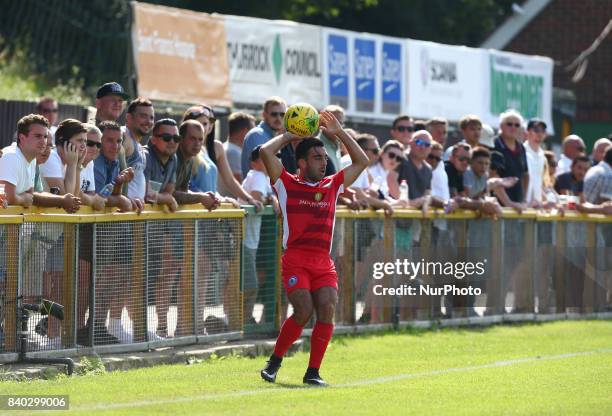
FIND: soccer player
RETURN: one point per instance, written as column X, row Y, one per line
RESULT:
column 308, row 203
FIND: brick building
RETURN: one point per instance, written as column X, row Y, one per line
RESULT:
column 561, row 30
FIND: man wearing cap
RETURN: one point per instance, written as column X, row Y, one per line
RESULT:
column 573, row 146
column 109, row 102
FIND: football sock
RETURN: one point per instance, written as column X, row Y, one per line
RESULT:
column 321, row 334
column 289, row 333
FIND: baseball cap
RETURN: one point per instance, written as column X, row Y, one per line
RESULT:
column 534, row 122
column 112, row 88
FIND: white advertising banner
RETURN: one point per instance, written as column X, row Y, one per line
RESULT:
column 446, row 81
column 269, row 57
column 521, row 82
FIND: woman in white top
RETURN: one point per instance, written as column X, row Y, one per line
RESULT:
column 391, row 156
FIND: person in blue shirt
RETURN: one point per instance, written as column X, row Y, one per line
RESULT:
column 106, row 170
column 273, row 114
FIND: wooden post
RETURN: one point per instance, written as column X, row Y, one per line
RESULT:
column 67, row 287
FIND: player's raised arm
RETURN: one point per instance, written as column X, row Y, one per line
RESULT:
column 359, row 160
column 270, row 149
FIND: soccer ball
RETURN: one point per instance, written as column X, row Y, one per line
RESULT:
column 302, row 119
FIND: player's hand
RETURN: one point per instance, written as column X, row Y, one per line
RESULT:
column 71, row 203
column 290, row 137
column 329, row 124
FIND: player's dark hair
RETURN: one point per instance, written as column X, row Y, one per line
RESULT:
column 255, row 154
column 163, row 122
column 301, row 151
column 608, row 156
column 67, row 129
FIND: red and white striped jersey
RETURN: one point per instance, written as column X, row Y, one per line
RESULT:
column 309, row 210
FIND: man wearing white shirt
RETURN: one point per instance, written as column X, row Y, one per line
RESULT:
column 18, row 163
column 536, row 161
column 572, row 146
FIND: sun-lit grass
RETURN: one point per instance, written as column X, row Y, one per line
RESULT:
column 451, row 371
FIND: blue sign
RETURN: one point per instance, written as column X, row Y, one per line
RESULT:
column 365, row 74
column 391, row 77
column 338, row 69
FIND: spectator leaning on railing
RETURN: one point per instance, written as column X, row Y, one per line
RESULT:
column 18, row 163
column 572, row 146
column 571, row 183
column 138, row 124
column 508, row 160
column 599, row 149
column 598, row 187
column 536, row 162
column 239, row 124
column 192, row 134
column 108, row 178
column 160, row 175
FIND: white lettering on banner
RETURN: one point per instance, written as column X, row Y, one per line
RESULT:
column 248, row 56
column 164, row 46
column 364, row 66
column 338, row 62
column 391, row 70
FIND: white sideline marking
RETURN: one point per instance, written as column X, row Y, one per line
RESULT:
column 378, row 380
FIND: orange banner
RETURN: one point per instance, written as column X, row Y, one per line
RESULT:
column 180, row 55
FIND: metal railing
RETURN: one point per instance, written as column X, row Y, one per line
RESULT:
column 131, row 282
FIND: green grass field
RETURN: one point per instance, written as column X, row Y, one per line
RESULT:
column 554, row 368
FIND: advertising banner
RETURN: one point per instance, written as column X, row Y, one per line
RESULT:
column 521, row 82
column 391, row 76
column 364, row 67
column 337, row 65
column 445, row 81
column 180, row 55
column 268, row 58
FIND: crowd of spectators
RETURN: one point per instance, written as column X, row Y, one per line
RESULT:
column 69, row 164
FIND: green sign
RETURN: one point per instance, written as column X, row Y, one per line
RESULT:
column 519, row 91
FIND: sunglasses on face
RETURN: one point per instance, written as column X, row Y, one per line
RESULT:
column 538, row 130
column 422, row 143
column 277, row 114
column 403, row 129
column 169, row 137
column 394, row 156
column 434, row 157
column 91, row 143
column 463, row 159
column 516, row 125
column 374, row 150
column 580, row 148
